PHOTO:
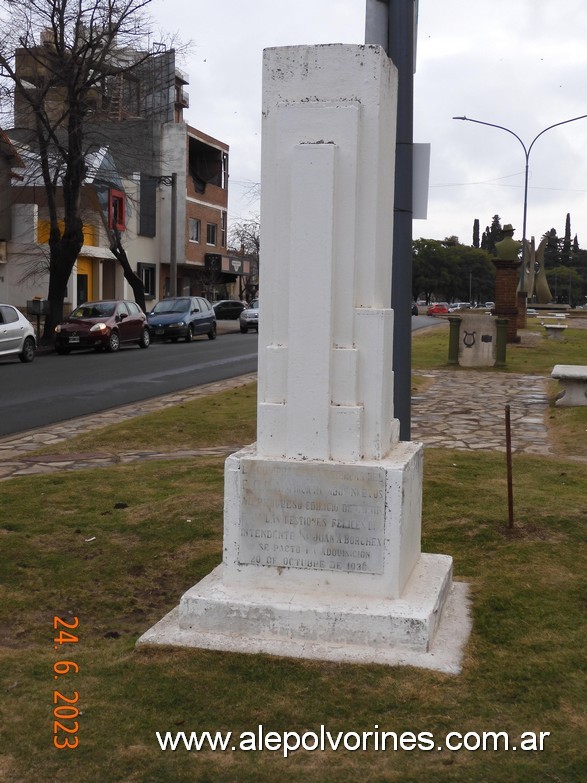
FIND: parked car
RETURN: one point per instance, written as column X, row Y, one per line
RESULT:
column 459, row 306
column 414, row 308
column 440, row 308
column 249, row 318
column 182, row 317
column 228, row 309
column 105, row 324
column 17, row 336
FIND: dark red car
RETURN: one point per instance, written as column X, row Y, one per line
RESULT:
column 440, row 308
column 103, row 325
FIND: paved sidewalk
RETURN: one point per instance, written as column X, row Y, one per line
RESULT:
column 15, row 448
column 466, row 410
column 459, row 409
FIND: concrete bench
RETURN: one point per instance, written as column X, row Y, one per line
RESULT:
column 555, row 331
column 573, row 379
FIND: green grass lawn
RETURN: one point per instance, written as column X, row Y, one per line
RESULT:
column 534, row 354
column 117, row 547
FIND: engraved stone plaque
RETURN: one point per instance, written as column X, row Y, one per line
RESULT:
column 312, row 516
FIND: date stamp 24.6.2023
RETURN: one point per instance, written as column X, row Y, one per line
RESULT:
column 65, row 709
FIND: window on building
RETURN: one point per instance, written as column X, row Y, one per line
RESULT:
column 223, row 230
column 194, row 226
column 211, row 229
column 147, row 273
column 148, row 206
column 116, row 211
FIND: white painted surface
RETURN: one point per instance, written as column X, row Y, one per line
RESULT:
column 445, row 653
column 336, row 528
column 322, row 516
column 325, row 342
column 573, row 379
column 477, row 341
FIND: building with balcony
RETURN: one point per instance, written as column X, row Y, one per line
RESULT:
column 161, row 183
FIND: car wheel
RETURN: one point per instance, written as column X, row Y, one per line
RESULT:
column 145, row 340
column 212, row 332
column 244, row 330
column 189, row 334
column 113, row 342
column 28, row 350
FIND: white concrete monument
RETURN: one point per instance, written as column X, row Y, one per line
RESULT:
column 322, row 515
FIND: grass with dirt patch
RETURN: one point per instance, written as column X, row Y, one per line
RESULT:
column 117, row 548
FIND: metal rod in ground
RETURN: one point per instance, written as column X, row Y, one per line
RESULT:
column 508, row 449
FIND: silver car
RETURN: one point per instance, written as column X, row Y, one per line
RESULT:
column 249, row 318
column 17, row 336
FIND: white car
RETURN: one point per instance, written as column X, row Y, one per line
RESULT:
column 17, row 336
column 249, row 318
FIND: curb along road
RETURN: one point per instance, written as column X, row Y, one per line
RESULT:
column 458, row 410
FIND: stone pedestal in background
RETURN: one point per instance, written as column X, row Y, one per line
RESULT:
column 478, row 341
column 507, row 265
column 506, row 297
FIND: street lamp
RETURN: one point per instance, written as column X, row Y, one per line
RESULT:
column 527, row 151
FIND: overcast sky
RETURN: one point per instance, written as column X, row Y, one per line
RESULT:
column 522, row 65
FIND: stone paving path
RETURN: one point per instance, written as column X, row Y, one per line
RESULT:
column 459, row 409
column 466, row 410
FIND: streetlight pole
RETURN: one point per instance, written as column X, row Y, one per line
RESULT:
column 527, row 151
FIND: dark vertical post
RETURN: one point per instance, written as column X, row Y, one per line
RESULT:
column 401, row 50
column 398, row 41
column 508, row 451
column 173, row 239
column 501, row 325
column 453, row 338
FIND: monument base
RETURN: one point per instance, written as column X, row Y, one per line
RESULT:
column 427, row 627
column 323, row 560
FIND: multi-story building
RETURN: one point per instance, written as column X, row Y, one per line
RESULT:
column 161, row 183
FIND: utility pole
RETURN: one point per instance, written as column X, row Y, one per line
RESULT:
column 171, row 179
column 173, row 247
column 392, row 24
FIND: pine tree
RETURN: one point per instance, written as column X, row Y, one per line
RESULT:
column 485, row 239
column 492, row 235
column 476, row 233
column 552, row 250
column 565, row 255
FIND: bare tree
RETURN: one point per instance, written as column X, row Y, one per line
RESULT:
column 70, row 49
column 135, row 282
column 244, row 239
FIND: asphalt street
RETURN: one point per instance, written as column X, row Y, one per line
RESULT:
column 57, row 388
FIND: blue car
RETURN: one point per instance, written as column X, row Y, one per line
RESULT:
column 182, row 317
